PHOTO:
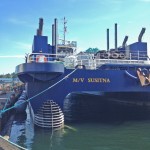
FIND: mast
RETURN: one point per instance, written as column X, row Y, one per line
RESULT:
column 65, row 30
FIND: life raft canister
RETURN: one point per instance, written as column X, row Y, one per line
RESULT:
column 80, row 67
column 121, row 55
column 106, row 55
column 145, row 72
column 114, row 55
column 41, row 58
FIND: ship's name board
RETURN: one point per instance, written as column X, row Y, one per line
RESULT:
column 91, row 80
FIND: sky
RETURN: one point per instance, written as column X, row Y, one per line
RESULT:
column 87, row 22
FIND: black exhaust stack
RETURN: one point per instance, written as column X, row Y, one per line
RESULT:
column 141, row 34
column 40, row 29
column 107, row 39
column 124, row 42
column 116, row 37
column 55, row 35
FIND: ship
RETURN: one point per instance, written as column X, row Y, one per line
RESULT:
column 72, row 80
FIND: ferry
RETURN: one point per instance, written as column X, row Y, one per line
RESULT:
column 57, row 72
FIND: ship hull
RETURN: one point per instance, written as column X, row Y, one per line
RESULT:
column 106, row 84
column 106, row 107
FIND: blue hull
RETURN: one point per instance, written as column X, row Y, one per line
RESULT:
column 106, row 107
column 120, row 73
column 108, row 82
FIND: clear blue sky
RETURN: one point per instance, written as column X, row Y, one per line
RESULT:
column 87, row 23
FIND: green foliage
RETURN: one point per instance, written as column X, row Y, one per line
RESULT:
column 92, row 50
column 8, row 75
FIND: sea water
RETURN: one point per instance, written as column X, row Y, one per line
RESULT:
column 117, row 135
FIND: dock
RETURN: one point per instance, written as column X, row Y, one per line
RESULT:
column 9, row 93
column 5, row 144
column 7, row 100
column 3, row 117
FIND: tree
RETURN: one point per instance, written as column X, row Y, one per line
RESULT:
column 8, row 75
column 13, row 75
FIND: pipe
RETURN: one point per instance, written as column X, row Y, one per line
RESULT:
column 40, row 29
column 38, row 32
column 56, row 35
column 116, row 37
column 107, row 39
column 124, row 41
column 141, row 34
column 40, row 26
column 53, row 35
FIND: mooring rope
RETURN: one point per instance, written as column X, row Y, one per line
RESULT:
column 4, row 110
column 7, row 109
column 8, row 99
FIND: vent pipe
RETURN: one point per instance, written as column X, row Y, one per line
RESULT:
column 107, row 39
column 38, row 32
column 124, row 41
column 116, row 37
column 56, row 35
column 53, row 35
column 141, row 34
column 40, row 29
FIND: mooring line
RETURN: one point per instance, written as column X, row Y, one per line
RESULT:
column 2, row 111
column 8, row 99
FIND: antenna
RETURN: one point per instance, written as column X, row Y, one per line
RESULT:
column 65, row 29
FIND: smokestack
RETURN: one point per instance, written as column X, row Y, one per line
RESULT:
column 53, row 35
column 40, row 26
column 141, row 34
column 107, row 39
column 124, row 41
column 37, row 32
column 116, row 37
column 56, row 35
column 40, row 29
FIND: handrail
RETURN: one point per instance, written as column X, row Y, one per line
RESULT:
column 138, row 54
column 88, row 60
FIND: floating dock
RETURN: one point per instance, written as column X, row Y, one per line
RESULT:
column 5, row 144
column 6, row 118
column 6, row 99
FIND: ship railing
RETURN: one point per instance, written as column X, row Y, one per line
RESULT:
column 88, row 60
column 45, row 57
column 117, row 61
column 87, row 63
column 122, row 54
column 95, row 63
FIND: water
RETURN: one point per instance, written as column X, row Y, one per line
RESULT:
column 118, row 135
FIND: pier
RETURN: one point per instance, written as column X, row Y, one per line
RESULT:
column 5, row 144
column 10, row 89
column 9, row 93
column 6, row 100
